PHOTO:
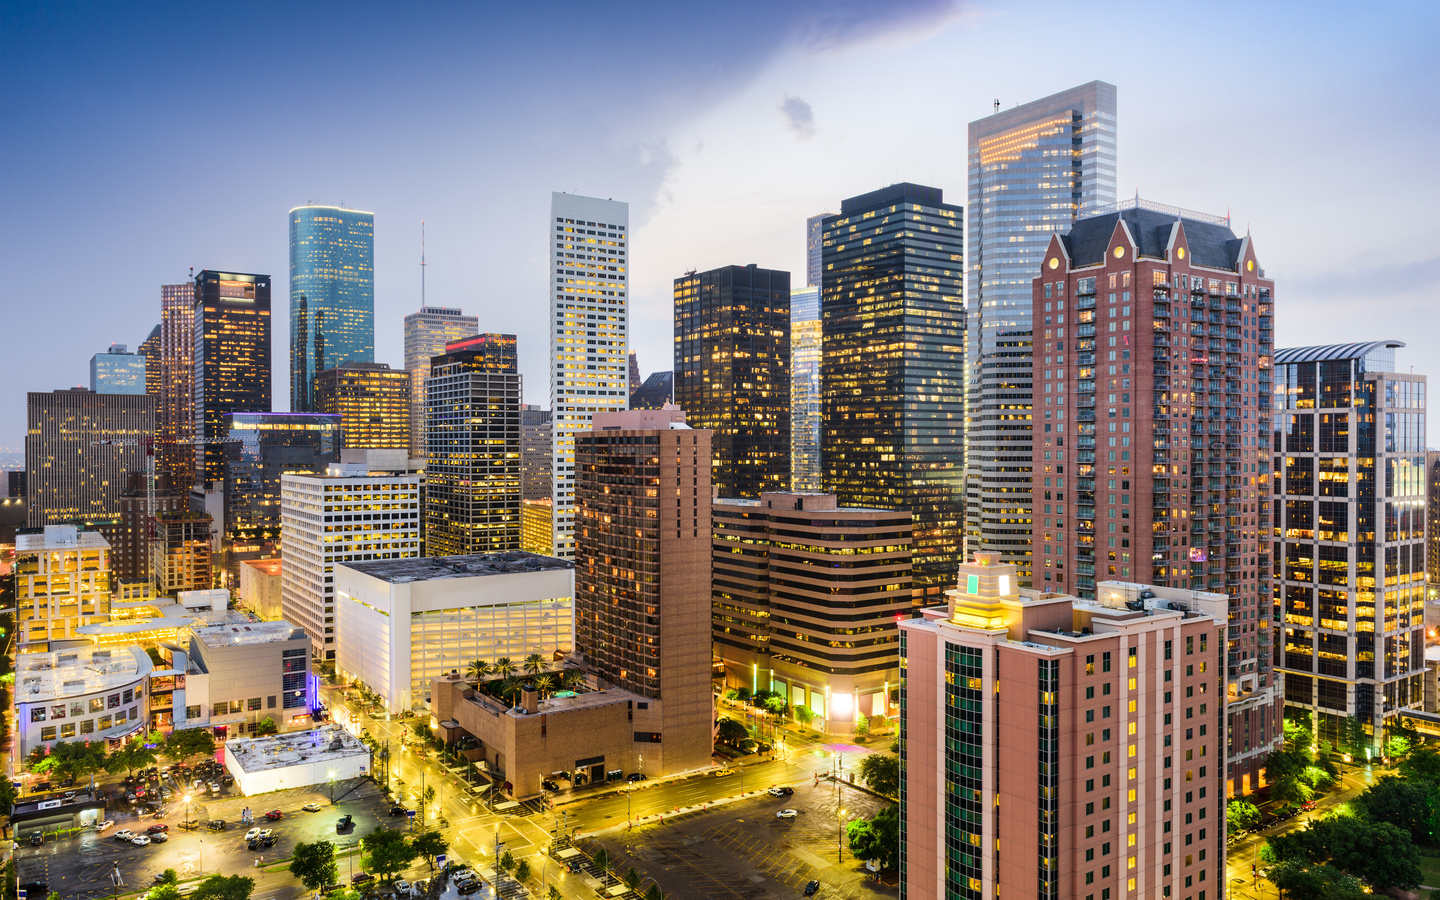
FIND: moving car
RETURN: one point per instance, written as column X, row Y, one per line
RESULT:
column 343, row 823
column 274, row 814
column 397, row 811
column 252, row 834
column 37, row 838
column 216, row 824
column 786, row 814
column 721, row 773
column 780, row 791
column 402, row 888
column 811, row 888
column 140, row 839
column 311, row 807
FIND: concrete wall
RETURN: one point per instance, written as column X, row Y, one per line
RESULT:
column 305, row 774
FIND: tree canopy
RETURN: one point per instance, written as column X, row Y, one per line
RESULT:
column 314, row 864
column 388, row 850
column 1241, row 815
column 882, row 772
column 1349, row 844
column 430, row 844
column 181, row 745
column 1408, row 804
column 1300, row 881
column 729, row 731
column 224, row 887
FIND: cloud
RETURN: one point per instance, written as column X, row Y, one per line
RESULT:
column 840, row 23
column 799, row 117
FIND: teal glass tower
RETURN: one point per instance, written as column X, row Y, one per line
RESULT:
column 332, row 294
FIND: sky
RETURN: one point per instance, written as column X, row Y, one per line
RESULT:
column 138, row 141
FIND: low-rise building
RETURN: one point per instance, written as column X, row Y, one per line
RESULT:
column 238, row 674
column 260, row 588
column 82, row 693
column 304, row 759
column 401, row 623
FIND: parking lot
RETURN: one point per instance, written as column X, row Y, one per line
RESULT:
column 744, row 850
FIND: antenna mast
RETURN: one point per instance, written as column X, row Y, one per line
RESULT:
column 422, row 263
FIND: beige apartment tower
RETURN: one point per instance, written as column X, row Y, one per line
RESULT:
column 1058, row 747
column 78, row 447
column 426, row 334
column 62, row 582
column 372, row 401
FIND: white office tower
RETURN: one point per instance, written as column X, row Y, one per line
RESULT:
column 426, row 334
column 589, row 349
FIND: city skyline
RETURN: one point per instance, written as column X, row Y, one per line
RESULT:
column 668, row 151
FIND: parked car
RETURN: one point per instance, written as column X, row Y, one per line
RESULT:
column 550, row 785
column 252, row 834
column 635, row 776
column 159, row 838
column 266, row 832
column 468, row 887
column 216, row 824
column 140, row 839
column 402, row 889
column 157, row 829
column 343, row 823
column 274, row 814
column 123, row 835
column 101, row 826
column 786, row 814
column 311, row 807
column 37, row 838
column 780, row 791
column 361, row 877
column 397, row 811
column 227, row 780
column 811, row 888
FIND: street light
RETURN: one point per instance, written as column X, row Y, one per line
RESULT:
column 839, row 830
column 187, row 812
column 332, row 787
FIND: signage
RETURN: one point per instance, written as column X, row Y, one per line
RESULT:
column 51, row 804
column 439, row 861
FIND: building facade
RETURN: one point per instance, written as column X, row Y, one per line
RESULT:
column 806, row 598
column 344, row 515
column 732, row 372
column 1349, row 551
column 642, row 572
column 589, row 346
column 426, row 334
column 232, row 360
column 472, row 494
column 79, row 446
column 118, row 372
column 62, row 583
column 237, row 675
column 372, row 401
column 260, row 583
column 175, row 410
column 806, row 341
column 1432, row 519
column 1155, row 406
column 1040, row 790
column 1033, row 170
column 655, row 393
column 181, row 558
column 892, row 398
column 815, row 249
column 332, row 295
column 129, row 547
column 534, row 453
column 82, row 693
column 150, row 349
column 536, row 526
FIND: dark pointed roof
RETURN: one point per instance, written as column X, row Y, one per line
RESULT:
column 1211, row 244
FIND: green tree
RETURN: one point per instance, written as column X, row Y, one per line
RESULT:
column 1295, row 776
column 36, row 758
column 776, row 705
column 1396, row 746
column 477, row 669
column 731, row 732
column 882, row 772
column 1353, row 738
column 545, row 684
column 631, row 879
column 314, row 864
column 653, row 892
column 169, row 876
column 863, row 840
column 430, row 844
column 8, row 796
column 182, row 745
column 522, row 871
column 553, row 894
column 1422, row 763
column 266, row 726
column 504, row 667
column 572, row 679
column 1411, row 805
column 1299, row 729
column 1299, row 881
column 389, row 852
column 73, row 759
column 224, row 887
column 507, row 862
column 601, row 860
column 887, row 836
column 1241, row 815
column 164, row 891
column 534, row 663
column 862, row 726
column 1349, row 844
column 804, row 715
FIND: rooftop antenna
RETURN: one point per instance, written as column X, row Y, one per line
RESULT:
column 997, row 106
column 422, row 263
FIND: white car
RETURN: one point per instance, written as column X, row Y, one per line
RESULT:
column 402, row 888
column 101, row 826
column 140, row 840
column 311, row 807
column 252, row 834
column 786, row 814
column 124, row 835
column 266, row 832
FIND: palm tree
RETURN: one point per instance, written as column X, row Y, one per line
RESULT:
column 510, row 690
column 534, row 663
column 545, row 684
column 572, row 679
column 478, row 669
column 504, row 667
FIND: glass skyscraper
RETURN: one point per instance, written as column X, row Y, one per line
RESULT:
column 1032, row 170
column 332, row 294
column 805, row 343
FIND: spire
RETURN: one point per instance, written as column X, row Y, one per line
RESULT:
column 422, row 263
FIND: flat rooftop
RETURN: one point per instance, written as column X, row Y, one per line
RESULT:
column 54, row 539
column 41, row 677
column 235, row 635
column 284, row 750
column 268, row 566
column 434, row 568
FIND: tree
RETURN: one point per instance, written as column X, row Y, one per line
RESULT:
column 389, row 852
column 804, row 715
column 136, row 754
column 507, row 861
column 504, row 667
column 534, row 663
column 72, row 759
column 1298, row 881
column 1295, row 775
column 863, row 840
column 477, row 669
column 182, row 745
column 224, row 887
column 886, row 824
column 8, row 796
column 430, row 844
column 882, row 772
column 169, row 876
column 1411, row 805
column 1299, row 729
column 631, row 879
column 1349, row 844
column 266, row 726
column 862, row 726
column 731, row 732
column 553, row 894
column 314, row 864
column 601, row 860
column 653, row 892
column 1353, row 738
column 1422, row 763
column 572, row 679
column 1241, row 815
column 164, row 891
column 545, row 684
column 776, row 705
column 522, row 871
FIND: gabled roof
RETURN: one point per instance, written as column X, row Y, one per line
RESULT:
column 1211, row 245
column 1329, row 352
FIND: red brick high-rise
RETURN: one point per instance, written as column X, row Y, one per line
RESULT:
column 1150, row 431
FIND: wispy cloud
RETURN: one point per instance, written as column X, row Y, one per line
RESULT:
column 799, row 117
column 840, row 23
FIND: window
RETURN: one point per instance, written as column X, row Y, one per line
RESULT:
column 192, row 712
column 253, row 703
column 47, row 733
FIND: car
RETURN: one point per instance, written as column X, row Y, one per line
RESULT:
column 780, row 791
column 216, row 824
column 101, row 826
column 37, row 838
column 265, row 833
column 252, row 834
column 402, row 888
column 343, row 823
column 274, row 814
column 214, row 787
column 811, row 888
column 68, row 782
column 468, row 887
column 397, row 811
column 635, row 776
column 721, row 773
column 40, row 786
column 123, row 835
column 462, row 877
column 311, row 807
column 157, row 829
column 786, row 814
column 227, row 780
column 361, row 878
column 140, row 839
column 159, row 838
column 550, row 785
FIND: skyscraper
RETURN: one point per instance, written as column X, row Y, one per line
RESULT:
column 806, row 340
column 642, row 573
column 472, row 473
column 814, row 249
column 1033, row 170
column 372, row 401
column 232, row 359
column 656, row 392
column 426, row 334
column 1152, row 342
column 63, row 582
column 332, row 294
column 262, row 448
column 1432, row 518
column 1349, row 550
column 589, row 347
column 150, row 349
column 1090, row 774
column 634, row 372
column 175, row 415
column 535, row 452
column 732, row 372
column 71, row 479
column 892, row 425
column 117, row 372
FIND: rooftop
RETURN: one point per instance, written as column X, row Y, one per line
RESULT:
column 434, row 568
column 1329, row 352
column 235, row 635
column 41, row 677
column 267, row 566
column 283, row 750
column 60, row 537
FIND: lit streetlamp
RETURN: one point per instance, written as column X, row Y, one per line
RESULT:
column 187, row 812
column 839, row 830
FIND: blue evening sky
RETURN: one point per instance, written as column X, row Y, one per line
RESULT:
column 137, row 140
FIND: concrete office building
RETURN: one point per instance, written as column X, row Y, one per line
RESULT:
column 260, row 583
column 537, row 526
column 175, row 411
column 238, row 674
column 150, row 349
column 1033, row 170
column 232, row 361
column 534, row 453
column 806, row 343
column 79, row 445
column 81, row 693
column 346, row 514
column 892, row 405
column 806, row 597
column 589, row 346
column 62, row 582
column 372, row 401
column 181, row 558
column 332, row 295
column 642, row 573
column 732, row 372
column 1151, row 444
column 403, row 623
column 117, row 372
column 473, row 468
column 1432, row 519
column 1349, row 549
column 426, row 334
column 1058, row 747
